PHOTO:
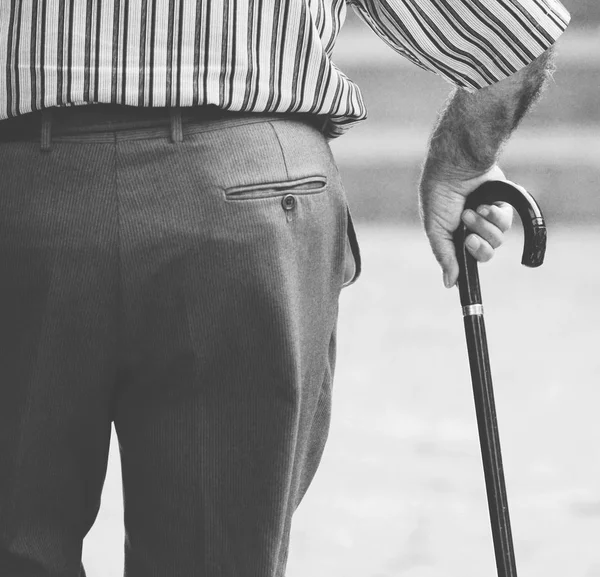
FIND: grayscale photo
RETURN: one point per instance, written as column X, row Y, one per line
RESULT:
column 299, row 288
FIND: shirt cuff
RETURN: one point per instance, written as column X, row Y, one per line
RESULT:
column 471, row 43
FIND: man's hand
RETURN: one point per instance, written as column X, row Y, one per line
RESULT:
column 442, row 204
column 463, row 154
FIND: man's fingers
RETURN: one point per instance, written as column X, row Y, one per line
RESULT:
column 481, row 250
column 444, row 251
column 499, row 214
column 487, row 234
column 480, row 225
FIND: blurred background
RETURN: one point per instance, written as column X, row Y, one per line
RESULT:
column 400, row 491
column 556, row 151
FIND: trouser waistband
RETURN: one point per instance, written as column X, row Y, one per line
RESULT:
column 107, row 119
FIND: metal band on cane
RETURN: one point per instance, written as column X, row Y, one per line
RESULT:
column 471, row 310
column 176, row 125
column 46, row 130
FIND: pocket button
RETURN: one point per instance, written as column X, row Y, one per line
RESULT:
column 288, row 202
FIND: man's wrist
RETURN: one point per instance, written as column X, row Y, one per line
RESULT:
column 439, row 170
column 473, row 127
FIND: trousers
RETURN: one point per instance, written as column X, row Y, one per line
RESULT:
column 185, row 291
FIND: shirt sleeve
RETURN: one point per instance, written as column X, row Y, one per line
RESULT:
column 471, row 43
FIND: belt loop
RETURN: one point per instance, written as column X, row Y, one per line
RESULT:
column 46, row 130
column 324, row 124
column 176, row 126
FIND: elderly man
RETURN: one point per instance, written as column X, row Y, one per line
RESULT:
column 174, row 237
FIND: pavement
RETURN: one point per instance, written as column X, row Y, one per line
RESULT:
column 400, row 489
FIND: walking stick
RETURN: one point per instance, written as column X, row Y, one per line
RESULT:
column 470, row 299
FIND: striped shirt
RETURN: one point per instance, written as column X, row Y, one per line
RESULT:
column 250, row 55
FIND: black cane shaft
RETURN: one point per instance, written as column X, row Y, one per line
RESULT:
column 490, row 445
column 534, row 249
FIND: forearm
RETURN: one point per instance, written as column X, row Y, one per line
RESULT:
column 472, row 128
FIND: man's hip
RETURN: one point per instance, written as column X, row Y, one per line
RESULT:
column 186, row 290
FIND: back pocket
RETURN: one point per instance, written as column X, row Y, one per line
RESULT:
column 309, row 185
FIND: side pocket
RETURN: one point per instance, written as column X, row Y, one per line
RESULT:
column 352, row 243
column 309, row 185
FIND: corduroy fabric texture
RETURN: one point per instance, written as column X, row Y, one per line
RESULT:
column 187, row 292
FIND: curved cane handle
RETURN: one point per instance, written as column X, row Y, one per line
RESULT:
column 534, row 229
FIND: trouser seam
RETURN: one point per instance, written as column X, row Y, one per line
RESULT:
column 120, row 348
column 287, row 172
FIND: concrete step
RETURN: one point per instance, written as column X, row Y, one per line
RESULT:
column 555, row 153
column 359, row 46
column 398, row 92
column 560, row 168
column 369, row 145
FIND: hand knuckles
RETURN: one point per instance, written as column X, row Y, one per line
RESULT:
column 500, row 214
column 495, row 211
column 483, row 252
column 504, row 218
column 490, row 233
column 495, row 239
column 484, row 255
column 497, row 220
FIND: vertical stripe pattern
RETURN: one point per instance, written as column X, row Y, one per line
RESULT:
column 250, row 55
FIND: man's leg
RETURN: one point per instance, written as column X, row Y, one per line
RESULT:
column 233, row 248
column 58, row 349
